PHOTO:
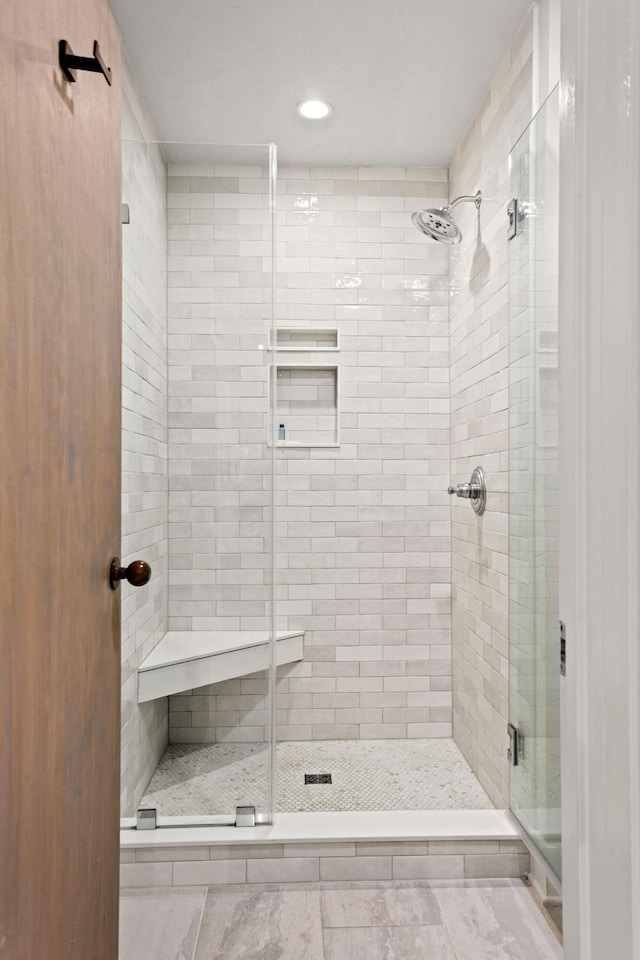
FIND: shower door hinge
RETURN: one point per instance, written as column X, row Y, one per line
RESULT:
column 146, row 818
column 563, row 649
column 516, row 745
column 512, row 213
column 514, row 219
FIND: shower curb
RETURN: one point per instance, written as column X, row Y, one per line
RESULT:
column 288, row 852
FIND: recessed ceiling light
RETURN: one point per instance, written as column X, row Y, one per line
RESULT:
column 314, row 109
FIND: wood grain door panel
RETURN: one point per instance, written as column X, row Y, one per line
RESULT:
column 59, row 485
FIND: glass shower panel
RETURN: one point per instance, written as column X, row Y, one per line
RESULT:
column 213, row 661
column 533, row 484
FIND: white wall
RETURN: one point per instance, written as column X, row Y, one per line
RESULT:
column 600, row 464
column 144, row 434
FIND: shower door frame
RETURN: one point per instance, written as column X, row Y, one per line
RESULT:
column 534, row 642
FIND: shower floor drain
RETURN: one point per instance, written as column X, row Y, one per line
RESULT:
column 317, row 778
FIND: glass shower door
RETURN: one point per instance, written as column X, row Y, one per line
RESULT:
column 198, row 445
column 533, row 484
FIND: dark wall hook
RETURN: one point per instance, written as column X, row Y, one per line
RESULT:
column 69, row 62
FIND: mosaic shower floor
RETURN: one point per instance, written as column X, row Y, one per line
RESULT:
column 210, row 779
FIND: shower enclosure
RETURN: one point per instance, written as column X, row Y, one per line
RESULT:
column 346, row 396
column 198, row 486
column 534, row 630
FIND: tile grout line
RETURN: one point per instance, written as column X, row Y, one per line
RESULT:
column 322, row 926
column 197, row 939
column 454, row 950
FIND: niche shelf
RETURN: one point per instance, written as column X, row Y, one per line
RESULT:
column 308, row 404
column 307, row 339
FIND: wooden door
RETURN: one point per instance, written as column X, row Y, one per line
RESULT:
column 59, row 484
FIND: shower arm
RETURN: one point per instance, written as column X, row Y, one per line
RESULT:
column 477, row 199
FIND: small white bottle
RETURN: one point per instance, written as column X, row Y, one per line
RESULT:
column 281, row 432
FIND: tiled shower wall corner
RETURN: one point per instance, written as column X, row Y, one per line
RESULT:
column 144, row 436
column 480, row 420
column 363, row 550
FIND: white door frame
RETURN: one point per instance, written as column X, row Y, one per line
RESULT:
column 600, row 466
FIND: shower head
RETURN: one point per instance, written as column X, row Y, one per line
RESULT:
column 438, row 222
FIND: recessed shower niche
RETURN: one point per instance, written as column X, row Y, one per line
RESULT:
column 307, row 405
column 307, row 394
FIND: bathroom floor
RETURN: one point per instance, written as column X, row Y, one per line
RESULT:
column 402, row 920
column 201, row 779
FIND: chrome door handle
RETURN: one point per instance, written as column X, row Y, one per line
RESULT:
column 475, row 490
column 137, row 573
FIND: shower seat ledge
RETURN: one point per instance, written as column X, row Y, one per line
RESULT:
column 185, row 660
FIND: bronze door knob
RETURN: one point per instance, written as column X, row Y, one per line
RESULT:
column 137, row 573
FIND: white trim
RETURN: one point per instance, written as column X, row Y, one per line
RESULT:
column 599, row 463
column 358, row 826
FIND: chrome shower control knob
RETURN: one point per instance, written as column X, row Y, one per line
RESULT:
column 476, row 491
column 463, row 490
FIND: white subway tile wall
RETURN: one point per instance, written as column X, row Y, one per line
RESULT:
column 480, row 419
column 144, row 435
column 219, row 462
column 363, row 563
column 304, row 862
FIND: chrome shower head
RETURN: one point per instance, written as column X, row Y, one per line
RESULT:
column 438, row 222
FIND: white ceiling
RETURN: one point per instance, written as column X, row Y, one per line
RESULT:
column 404, row 77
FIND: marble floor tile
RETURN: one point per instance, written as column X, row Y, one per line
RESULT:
column 380, row 906
column 263, row 925
column 506, row 918
column 385, row 920
column 160, row 924
column 389, row 943
column 416, row 774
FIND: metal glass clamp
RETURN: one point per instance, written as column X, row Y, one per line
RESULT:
column 245, row 816
column 146, row 818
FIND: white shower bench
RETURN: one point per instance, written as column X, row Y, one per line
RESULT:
column 185, row 659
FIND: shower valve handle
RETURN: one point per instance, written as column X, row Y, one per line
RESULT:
column 475, row 490
column 467, row 490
